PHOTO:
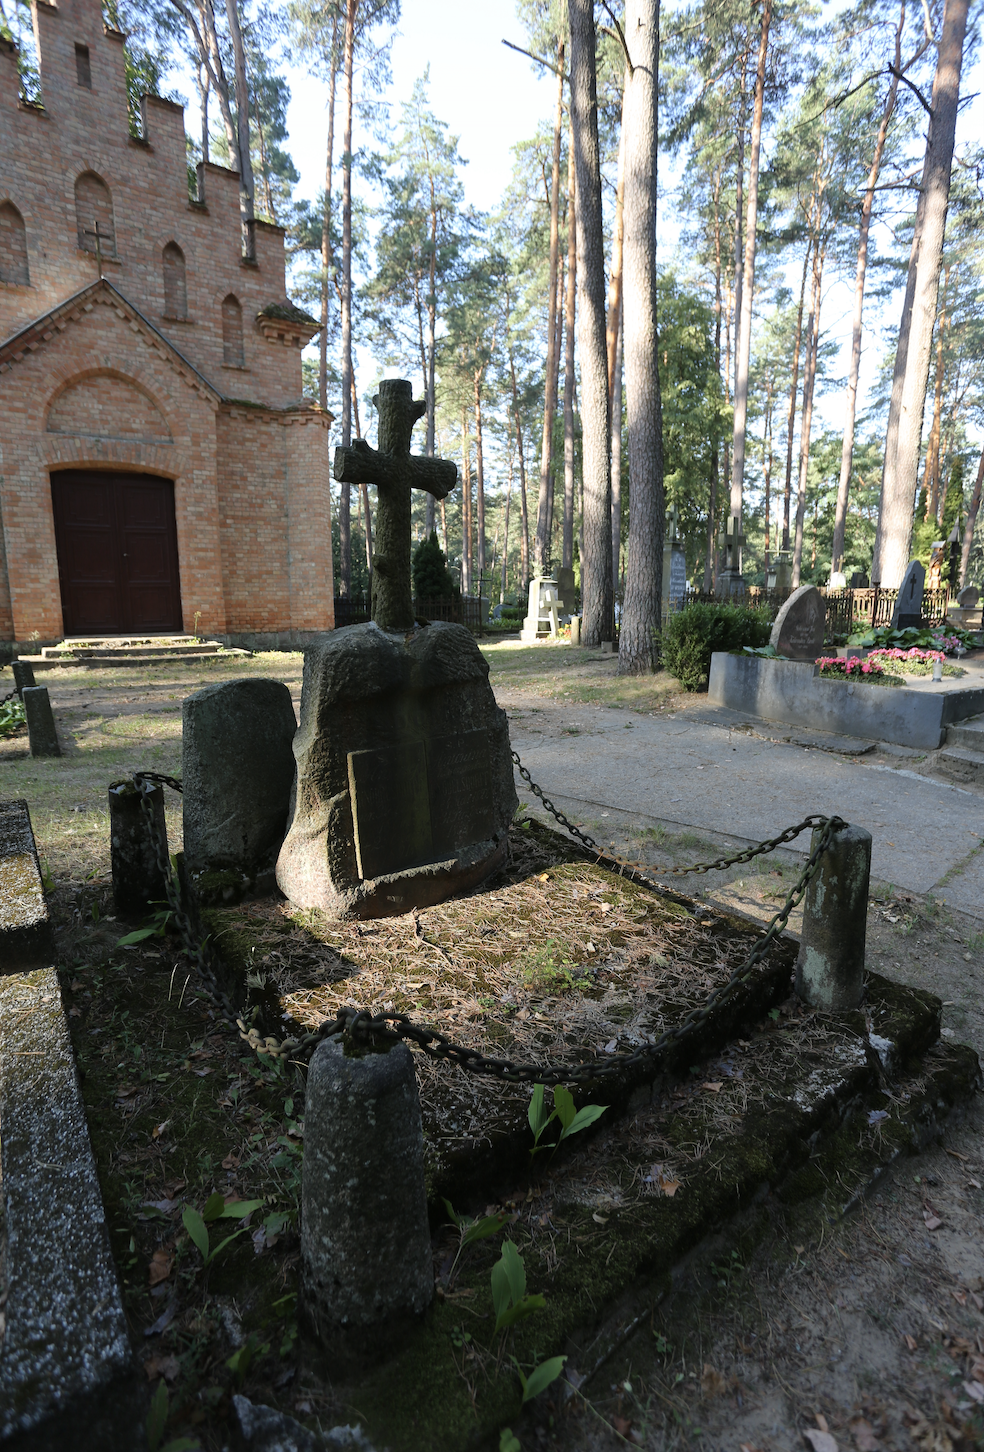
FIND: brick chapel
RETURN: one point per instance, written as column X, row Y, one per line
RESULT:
column 158, row 463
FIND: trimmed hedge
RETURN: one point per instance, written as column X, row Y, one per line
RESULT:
column 692, row 634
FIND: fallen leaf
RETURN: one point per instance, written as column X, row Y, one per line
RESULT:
column 820, row 1441
column 600, row 1219
column 166, row 1366
column 821, row 1422
column 231, row 1162
column 960, row 1297
column 712, row 1383
column 974, row 1390
column 864, row 1436
column 956, row 1154
column 75, row 1013
column 161, row 1265
column 159, row 1129
column 976, row 1184
column 622, row 1426
column 911, row 1342
column 933, row 1222
column 714, row 1088
column 977, row 1300
column 164, row 1206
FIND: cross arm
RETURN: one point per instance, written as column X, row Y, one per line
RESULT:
column 362, row 464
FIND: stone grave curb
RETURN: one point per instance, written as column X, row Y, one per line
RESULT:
column 67, row 1375
column 595, row 1303
column 792, row 692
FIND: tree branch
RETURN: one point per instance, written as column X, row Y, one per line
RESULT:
column 538, row 58
column 617, row 34
column 901, row 76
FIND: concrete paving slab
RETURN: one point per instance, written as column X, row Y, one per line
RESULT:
column 683, row 772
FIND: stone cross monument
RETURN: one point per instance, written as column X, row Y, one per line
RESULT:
column 394, row 471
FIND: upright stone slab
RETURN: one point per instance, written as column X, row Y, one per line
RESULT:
column 40, row 721
column 25, row 927
column 237, row 771
column 404, row 776
column 830, row 967
column 134, row 843
column 543, row 610
column 566, row 591
column 365, row 1242
column 23, row 674
column 797, row 632
column 969, row 597
column 908, row 605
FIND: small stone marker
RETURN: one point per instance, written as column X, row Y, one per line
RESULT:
column 908, row 605
column 969, row 597
column 543, row 610
column 25, row 927
column 830, row 968
column 566, row 590
column 365, row 1241
column 137, row 879
column 784, row 571
column 237, row 771
column 23, row 674
column 40, row 721
column 797, row 632
column 404, row 778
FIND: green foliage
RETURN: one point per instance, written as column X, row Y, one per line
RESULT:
column 930, row 637
column 509, row 1296
column 12, row 716
column 431, row 576
column 215, row 1209
column 540, row 1377
column 155, row 927
column 157, row 1421
column 571, row 1120
column 690, row 637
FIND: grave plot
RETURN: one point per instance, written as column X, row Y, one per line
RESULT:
column 768, row 1103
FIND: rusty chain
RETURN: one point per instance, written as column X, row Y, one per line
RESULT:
column 367, row 1028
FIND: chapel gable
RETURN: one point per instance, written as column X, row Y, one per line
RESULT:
column 104, row 405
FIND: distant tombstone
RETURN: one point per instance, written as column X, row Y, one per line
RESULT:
column 969, row 597
column 674, row 576
column 798, row 630
column 838, row 580
column 404, row 776
column 237, row 773
column 543, row 612
column 40, row 722
column 859, row 580
column 784, row 571
column 908, row 605
column 566, row 591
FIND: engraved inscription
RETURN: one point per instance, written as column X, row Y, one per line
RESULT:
column 460, row 777
column 390, row 808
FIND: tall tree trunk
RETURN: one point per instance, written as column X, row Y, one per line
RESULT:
column 431, row 348
column 767, row 463
column 904, row 435
column 616, row 447
column 638, row 634
column 246, row 189
column 345, row 504
column 847, row 450
column 558, row 341
column 809, row 381
column 479, row 476
column 327, row 255
column 794, row 386
column 505, row 534
column 541, row 548
column 201, row 73
column 743, row 355
column 466, row 508
column 618, row 238
column 596, row 555
column 710, row 563
column 524, row 538
column 972, row 512
column 567, row 554
column 931, row 477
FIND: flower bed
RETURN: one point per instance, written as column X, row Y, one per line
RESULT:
column 915, row 662
column 855, row 668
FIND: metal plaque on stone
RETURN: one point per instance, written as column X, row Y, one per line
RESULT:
column 390, row 808
column 460, row 779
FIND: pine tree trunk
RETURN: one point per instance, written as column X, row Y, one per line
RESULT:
column 791, row 414
column 710, row 563
column 767, row 464
column 246, row 189
column 567, row 555
column 638, row 633
column 466, row 508
column 618, row 242
column 809, row 381
column 931, row 477
column 505, row 534
column 479, row 477
column 596, row 556
column 743, row 355
column 558, row 341
column 431, row 350
column 524, row 538
column 904, row 436
column 616, row 447
column 847, row 450
column 345, row 502
column 972, row 512
column 326, row 247
column 541, row 545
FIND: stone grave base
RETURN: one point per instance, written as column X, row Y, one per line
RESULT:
column 792, row 692
column 769, row 1109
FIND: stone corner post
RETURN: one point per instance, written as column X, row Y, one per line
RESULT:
column 830, row 967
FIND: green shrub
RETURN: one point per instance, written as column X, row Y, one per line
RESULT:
column 431, row 576
column 692, row 634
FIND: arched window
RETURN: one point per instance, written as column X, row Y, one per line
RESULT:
column 175, row 286
column 13, row 245
column 94, row 215
column 232, row 332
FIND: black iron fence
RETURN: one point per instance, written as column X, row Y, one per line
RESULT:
column 848, row 611
column 467, row 610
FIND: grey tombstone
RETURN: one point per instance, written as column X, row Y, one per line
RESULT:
column 134, row 843
column 908, row 604
column 797, row 632
column 365, row 1243
column 859, row 580
column 23, row 674
column 969, row 597
column 405, row 784
column 237, row 771
column 40, row 722
column 830, row 968
column 566, row 590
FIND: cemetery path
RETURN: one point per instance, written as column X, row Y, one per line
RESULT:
column 675, row 771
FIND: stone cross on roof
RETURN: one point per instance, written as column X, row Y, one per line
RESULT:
column 394, row 471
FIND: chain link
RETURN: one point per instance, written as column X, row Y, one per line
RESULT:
column 393, row 1027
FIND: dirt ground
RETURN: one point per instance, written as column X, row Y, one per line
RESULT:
column 858, row 1332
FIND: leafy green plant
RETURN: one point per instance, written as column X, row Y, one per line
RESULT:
column 691, row 635
column 540, row 1377
column 509, row 1297
column 431, row 576
column 473, row 1230
column 508, row 1441
column 157, row 1421
column 154, row 927
column 12, row 716
column 215, row 1209
column 240, row 1361
column 571, row 1120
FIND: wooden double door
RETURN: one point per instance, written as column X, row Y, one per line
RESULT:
column 117, row 553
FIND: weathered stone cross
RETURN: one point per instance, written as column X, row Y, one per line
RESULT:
column 394, row 471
